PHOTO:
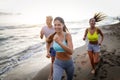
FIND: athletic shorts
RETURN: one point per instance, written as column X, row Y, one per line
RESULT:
column 93, row 47
column 52, row 52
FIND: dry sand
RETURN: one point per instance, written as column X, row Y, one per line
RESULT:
column 107, row 69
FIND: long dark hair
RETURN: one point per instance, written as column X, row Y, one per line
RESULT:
column 99, row 16
column 62, row 21
column 50, row 38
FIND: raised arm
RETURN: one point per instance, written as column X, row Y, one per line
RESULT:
column 69, row 47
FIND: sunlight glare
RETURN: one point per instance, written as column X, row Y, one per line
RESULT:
column 29, row 19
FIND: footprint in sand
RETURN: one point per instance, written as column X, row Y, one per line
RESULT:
column 83, row 62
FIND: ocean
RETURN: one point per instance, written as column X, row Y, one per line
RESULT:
column 20, row 42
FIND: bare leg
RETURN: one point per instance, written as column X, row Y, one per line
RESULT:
column 51, row 70
column 96, row 58
column 90, row 53
column 91, row 56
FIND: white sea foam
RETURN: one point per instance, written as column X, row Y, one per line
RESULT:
column 18, row 43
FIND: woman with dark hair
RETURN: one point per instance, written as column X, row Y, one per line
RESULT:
column 62, row 44
column 92, row 34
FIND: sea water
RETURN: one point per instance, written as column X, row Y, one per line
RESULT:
column 20, row 42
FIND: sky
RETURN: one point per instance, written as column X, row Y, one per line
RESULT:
column 34, row 11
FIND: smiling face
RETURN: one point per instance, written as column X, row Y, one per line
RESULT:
column 92, row 22
column 49, row 21
column 58, row 26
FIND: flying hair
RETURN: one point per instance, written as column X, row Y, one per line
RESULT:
column 99, row 16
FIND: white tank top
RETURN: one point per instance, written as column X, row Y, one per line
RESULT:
column 47, row 31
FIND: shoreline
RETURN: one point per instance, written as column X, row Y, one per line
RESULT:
column 109, row 48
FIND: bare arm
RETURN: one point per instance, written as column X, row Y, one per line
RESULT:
column 41, row 33
column 69, row 47
column 85, row 34
column 102, row 36
column 48, row 49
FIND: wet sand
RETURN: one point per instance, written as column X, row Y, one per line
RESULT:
column 107, row 69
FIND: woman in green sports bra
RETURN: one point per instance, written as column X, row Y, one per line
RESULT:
column 92, row 34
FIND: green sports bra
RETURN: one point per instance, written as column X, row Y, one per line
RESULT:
column 92, row 37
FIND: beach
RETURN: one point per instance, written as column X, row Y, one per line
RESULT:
column 37, row 67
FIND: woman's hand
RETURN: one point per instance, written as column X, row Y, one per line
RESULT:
column 84, row 38
column 99, row 44
column 57, row 39
column 48, row 55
